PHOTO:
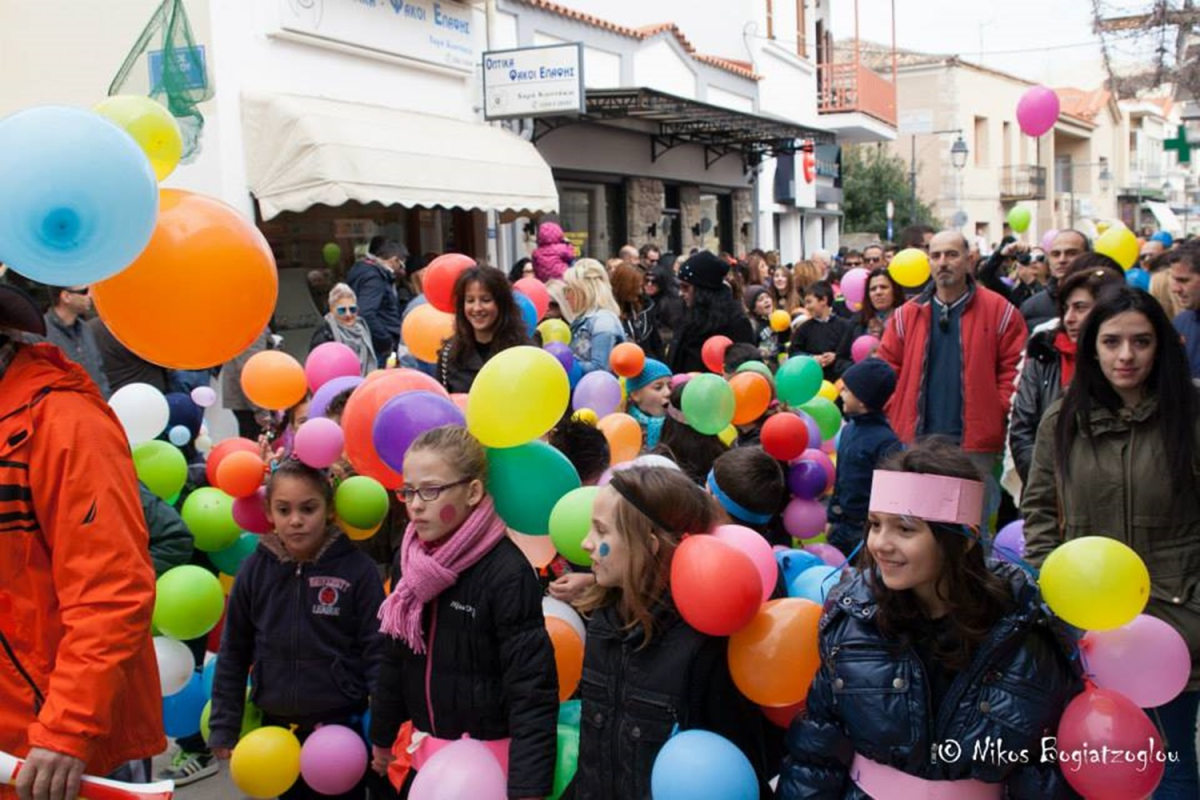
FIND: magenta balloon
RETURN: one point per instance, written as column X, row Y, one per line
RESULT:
column 854, row 286
column 328, row 361
column 757, row 548
column 333, row 759
column 863, row 347
column 328, row 391
column 807, row 479
column 827, row 553
column 600, row 391
column 1048, row 239
column 803, row 518
column 463, row 770
column 250, row 513
column 1037, row 110
column 1146, row 660
column 319, row 442
column 405, row 417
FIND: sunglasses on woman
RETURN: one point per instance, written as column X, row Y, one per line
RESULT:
column 344, row 310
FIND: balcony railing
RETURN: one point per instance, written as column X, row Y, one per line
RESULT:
column 851, row 87
column 1022, row 182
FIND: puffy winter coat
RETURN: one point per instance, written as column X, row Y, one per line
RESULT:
column 77, row 667
column 871, row 696
column 634, row 697
column 489, row 670
column 307, row 633
column 865, row 441
column 378, row 302
column 993, row 335
column 553, row 254
column 1040, row 385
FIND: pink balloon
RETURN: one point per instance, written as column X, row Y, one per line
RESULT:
column 854, row 286
column 863, row 348
column 1037, row 110
column 757, row 548
column 827, row 553
column 1099, row 719
column 803, row 518
column 319, row 442
column 1048, row 239
column 1146, row 660
column 333, row 759
column 535, row 290
column 204, row 396
column 680, row 378
column 328, row 361
column 250, row 512
column 463, row 770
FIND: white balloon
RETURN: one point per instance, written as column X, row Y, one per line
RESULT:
column 648, row 460
column 175, row 664
column 179, row 435
column 552, row 607
column 203, row 444
column 142, row 410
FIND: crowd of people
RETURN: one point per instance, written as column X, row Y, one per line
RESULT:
column 1028, row 384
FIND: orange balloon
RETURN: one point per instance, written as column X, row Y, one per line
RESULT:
column 240, row 473
column 358, row 534
column 774, row 658
column 273, row 379
column 535, row 290
column 226, row 583
column 751, row 396
column 358, row 419
column 220, row 271
column 627, row 360
column 223, row 448
column 624, row 437
column 424, row 330
column 538, row 549
column 568, row 655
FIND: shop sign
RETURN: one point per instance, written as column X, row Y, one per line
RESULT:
column 534, row 82
column 355, row 228
column 440, row 32
column 578, row 240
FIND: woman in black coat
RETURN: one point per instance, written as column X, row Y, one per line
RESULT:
column 711, row 311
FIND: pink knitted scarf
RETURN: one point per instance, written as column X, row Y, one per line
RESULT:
column 429, row 571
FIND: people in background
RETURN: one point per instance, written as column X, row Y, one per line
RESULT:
column 342, row 324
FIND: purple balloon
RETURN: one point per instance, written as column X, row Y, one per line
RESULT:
column 333, row 759
column 600, row 391
column 329, row 390
column 1009, row 543
column 814, row 430
column 563, row 353
column 803, row 518
column 807, row 479
column 405, row 417
column 827, row 553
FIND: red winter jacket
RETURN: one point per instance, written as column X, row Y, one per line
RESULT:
column 993, row 334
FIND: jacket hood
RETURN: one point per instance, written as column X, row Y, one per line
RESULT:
column 337, row 544
column 43, row 367
column 1106, row 420
column 1041, row 346
column 549, row 233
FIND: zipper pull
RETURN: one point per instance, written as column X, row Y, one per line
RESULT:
column 298, row 568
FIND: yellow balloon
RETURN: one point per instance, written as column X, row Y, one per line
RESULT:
column 828, row 391
column 780, row 320
column 266, row 762
column 1119, row 244
column 910, row 267
column 358, row 534
column 1095, row 583
column 519, row 395
column 728, row 436
column 554, row 330
column 586, row 416
column 151, row 125
column 1101, row 227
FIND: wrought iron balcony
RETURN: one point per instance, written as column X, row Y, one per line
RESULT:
column 1022, row 182
column 852, row 87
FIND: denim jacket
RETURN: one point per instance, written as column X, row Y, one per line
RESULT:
column 593, row 337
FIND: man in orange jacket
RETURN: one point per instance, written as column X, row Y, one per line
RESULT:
column 79, row 688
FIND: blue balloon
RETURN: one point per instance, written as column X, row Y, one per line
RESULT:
column 814, row 583
column 793, row 562
column 80, row 198
column 181, row 711
column 574, row 375
column 209, row 674
column 528, row 311
column 1163, row 236
column 1138, row 278
column 179, row 435
column 698, row 765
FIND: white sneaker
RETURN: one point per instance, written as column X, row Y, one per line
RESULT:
column 190, row 767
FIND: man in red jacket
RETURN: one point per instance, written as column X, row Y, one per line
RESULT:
column 955, row 349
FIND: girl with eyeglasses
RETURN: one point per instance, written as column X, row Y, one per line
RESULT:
column 468, row 653
column 342, row 324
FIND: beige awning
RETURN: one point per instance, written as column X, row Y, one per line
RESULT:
column 301, row 151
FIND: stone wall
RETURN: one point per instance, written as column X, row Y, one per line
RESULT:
column 644, row 206
column 743, row 213
column 689, row 214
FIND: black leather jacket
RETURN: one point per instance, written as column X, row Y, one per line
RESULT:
column 1040, row 385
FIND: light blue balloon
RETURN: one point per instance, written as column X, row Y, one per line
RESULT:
column 698, row 765
column 1138, row 278
column 794, row 562
column 80, row 198
column 528, row 312
column 814, row 583
column 209, row 674
column 179, row 435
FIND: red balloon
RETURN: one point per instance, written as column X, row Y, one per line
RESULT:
column 1103, row 718
column 716, row 587
column 784, row 436
column 222, row 449
column 213, row 640
column 783, row 715
column 439, row 278
column 713, row 353
column 535, row 290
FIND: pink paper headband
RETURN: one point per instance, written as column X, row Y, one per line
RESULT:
column 933, row 498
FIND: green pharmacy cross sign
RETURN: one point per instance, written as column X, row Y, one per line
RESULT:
column 1180, row 145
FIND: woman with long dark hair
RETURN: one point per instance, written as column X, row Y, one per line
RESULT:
column 930, row 643
column 1117, row 456
column 639, row 311
column 486, row 321
column 711, row 311
column 662, row 288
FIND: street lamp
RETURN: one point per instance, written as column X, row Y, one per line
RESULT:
column 958, row 157
column 958, row 152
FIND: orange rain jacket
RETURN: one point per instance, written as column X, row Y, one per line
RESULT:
column 77, row 667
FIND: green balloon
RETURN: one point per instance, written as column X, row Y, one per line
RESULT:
column 708, row 404
column 798, row 380
column 566, row 759
column 252, row 718
column 759, row 367
column 230, row 559
column 361, row 502
column 332, row 254
column 570, row 522
column 526, row 482
column 189, row 602
column 208, row 513
column 570, row 712
column 828, row 418
column 161, row 466
column 1019, row 219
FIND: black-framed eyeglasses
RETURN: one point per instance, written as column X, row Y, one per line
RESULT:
column 344, row 310
column 428, row 493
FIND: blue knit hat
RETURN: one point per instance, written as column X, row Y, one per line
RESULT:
column 652, row 371
column 872, row 381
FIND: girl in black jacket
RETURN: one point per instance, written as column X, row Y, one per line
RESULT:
column 936, row 666
column 469, row 654
column 645, row 670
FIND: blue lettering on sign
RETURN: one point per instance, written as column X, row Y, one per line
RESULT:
column 414, row 12
column 499, row 63
column 444, row 20
column 521, row 75
column 549, row 73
